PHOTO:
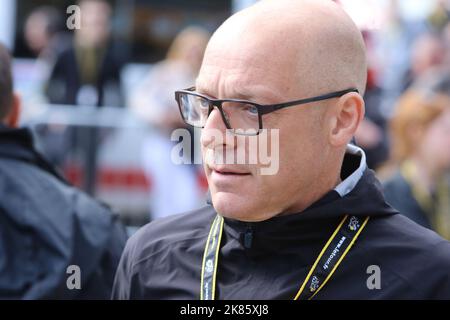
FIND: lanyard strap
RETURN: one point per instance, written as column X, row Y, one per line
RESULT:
column 210, row 259
column 330, row 257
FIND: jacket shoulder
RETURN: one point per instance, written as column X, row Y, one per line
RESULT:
column 165, row 232
column 159, row 244
column 399, row 232
column 410, row 254
column 68, row 227
column 37, row 193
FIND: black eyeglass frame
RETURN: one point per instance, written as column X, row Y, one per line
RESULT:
column 262, row 108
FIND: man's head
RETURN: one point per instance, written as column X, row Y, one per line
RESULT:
column 273, row 52
column 9, row 102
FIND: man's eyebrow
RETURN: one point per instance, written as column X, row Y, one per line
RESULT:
column 205, row 92
column 243, row 96
column 237, row 94
column 200, row 89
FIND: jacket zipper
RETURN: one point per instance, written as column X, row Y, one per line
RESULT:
column 248, row 237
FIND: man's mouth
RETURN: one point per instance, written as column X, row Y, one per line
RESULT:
column 229, row 171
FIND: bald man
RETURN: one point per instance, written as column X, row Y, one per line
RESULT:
column 317, row 229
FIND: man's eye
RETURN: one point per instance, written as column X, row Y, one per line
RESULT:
column 203, row 103
column 251, row 109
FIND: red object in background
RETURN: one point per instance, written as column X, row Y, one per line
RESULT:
column 73, row 175
column 110, row 178
column 371, row 78
column 122, row 178
column 202, row 181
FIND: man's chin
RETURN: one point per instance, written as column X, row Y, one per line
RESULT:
column 237, row 206
column 231, row 205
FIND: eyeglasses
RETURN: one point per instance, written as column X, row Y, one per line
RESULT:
column 241, row 116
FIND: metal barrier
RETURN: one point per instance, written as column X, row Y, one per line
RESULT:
column 98, row 149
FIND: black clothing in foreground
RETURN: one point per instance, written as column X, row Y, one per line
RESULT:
column 46, row 225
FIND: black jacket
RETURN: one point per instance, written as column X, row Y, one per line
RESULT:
column 163, row 260
column 65, row 79
column 46, row 225
column 399, row 195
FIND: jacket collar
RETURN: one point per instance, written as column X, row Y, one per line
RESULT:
column 350, row 182
column 12, row 136
column 18, row 144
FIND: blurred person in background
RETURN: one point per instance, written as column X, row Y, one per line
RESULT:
column 408, row 44
column 46, row 225
column 45, row 36
column 175, row 187
column 446, row 42
column 419, row 188
column 88, row 73
column 152, row 100
column 427, row 53
column 371, row 134
column 440, row 16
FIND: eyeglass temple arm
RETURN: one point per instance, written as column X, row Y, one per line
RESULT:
column 273, row 107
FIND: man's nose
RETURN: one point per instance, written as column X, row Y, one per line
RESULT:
column 214, row 131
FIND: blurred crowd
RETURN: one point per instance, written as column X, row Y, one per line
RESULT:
column 405, row 134
column 86, row 69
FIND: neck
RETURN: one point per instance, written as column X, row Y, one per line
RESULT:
column 329, row 182
column 324, row 181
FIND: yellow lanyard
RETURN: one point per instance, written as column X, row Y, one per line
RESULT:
column 330, row 257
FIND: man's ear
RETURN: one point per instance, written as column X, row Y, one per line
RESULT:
column 13, row 117
column 348, row 114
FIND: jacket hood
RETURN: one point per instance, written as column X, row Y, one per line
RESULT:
column 18, row 144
